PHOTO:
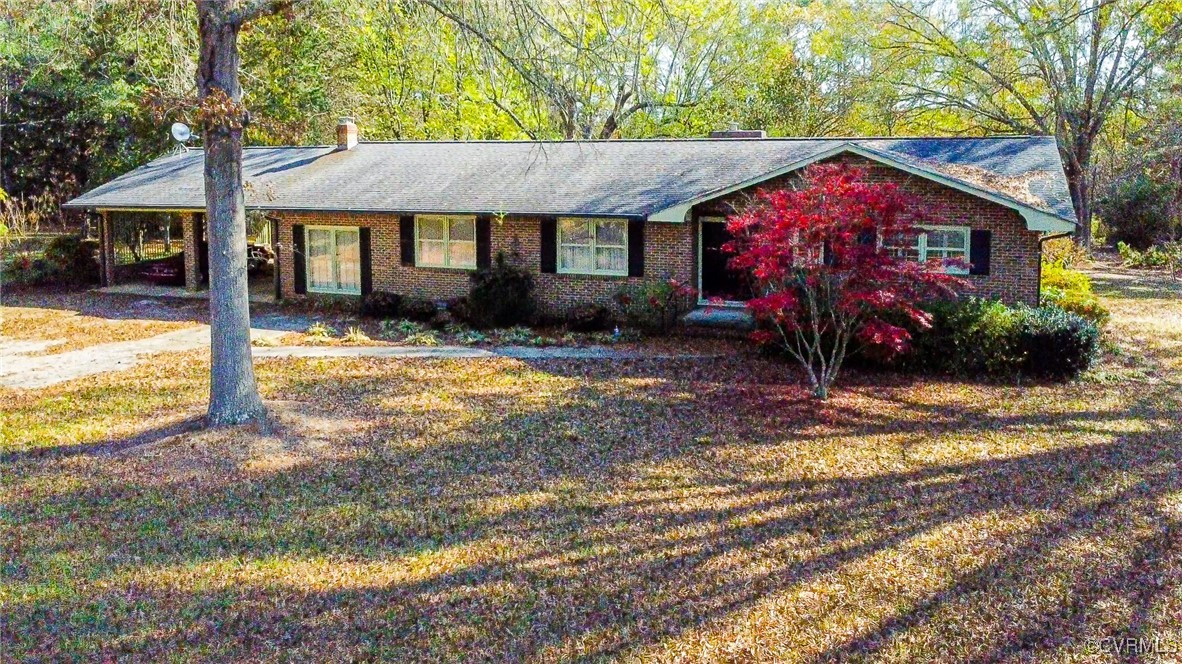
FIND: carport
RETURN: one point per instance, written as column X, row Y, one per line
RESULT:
column 142, row 244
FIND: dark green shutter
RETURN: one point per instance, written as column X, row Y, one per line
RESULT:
column 406, row 239
column 483, row 243
column 980, row 251
column 298, row 259
column 363, row 239
column 549, row 258
column 635, row 248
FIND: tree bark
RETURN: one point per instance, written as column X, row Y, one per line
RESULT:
column 233, row 391
column 1078, row 170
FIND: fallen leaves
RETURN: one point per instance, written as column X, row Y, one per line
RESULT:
column 494, row 509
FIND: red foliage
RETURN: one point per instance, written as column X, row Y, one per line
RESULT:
column 818, row 257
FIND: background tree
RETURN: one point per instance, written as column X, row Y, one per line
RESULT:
column 825, row 270
column 234, row 395
column 88, row 88
column 1141, row 198
column 72, row 82
column 1056, row 67
column 810, row 70
column 591, row 68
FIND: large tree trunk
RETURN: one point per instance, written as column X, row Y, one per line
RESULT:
column 233, row 395
column 1078, row 169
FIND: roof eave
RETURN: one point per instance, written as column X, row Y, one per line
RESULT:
column 1036, row 220
column 117, row 207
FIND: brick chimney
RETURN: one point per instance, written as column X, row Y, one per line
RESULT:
column 733, row 131
column 346, row 134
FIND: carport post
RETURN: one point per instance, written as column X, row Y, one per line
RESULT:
column 106, row 250
column 192, row 245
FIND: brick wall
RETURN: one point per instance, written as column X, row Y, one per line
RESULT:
column 1014, row 265
column 671, row 249
column 668, row 252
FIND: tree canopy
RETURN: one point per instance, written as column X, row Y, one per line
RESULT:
column 88, row 88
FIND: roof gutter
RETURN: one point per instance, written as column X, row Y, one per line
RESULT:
column 1055, row 236
column 99, row 207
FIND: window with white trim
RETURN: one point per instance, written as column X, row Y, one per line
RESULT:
column 333, row 259
column 445, row 241
column 938, row 243
column 593, row 246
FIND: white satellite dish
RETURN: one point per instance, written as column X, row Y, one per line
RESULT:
column 181, row 132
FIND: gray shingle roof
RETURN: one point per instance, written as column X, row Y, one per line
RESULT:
column 619, row 178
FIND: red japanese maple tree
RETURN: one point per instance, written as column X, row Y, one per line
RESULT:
column 829, row 262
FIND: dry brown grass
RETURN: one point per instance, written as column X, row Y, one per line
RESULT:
column 78, row 320
column 648, row 511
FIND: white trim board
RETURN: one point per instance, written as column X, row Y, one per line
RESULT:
column 1036, row 220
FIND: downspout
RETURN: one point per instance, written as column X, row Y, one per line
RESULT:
column 1041, row 239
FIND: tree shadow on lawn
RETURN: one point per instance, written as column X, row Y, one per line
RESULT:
column 113, row 306
column 83, row 301
column 596, row 521
column 1134, row 284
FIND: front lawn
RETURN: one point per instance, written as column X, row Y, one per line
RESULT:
column 698, row 510
column 73, row 319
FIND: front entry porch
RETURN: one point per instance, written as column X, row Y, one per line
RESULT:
column 720, row 317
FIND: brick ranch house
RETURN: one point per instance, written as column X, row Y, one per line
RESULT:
column 416, row 217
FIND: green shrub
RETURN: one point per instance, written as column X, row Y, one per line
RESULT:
column 382, row 305
column 1055, row 343
column 515, row 335
column 1071, row 291
column 976, row 337
column 26, row 270
column 1168, row 254
column 418, row 309
column 501, row 296
column 75, row 260
column 356, row 335
column 321, row 330
column 1064, row 252
column 1081, row 304
column 1135, row 211
column 458, row 308
column 1055, row 275
column 428, row 338
column 588, row 318
column 401, row 328
column 656, row 306
column 470, row 337
column 968, row 337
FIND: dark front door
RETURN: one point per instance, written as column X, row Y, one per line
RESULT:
column 718, row 280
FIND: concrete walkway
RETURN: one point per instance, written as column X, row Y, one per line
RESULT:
column 18, row 369
column 451, row 352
